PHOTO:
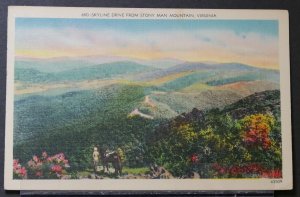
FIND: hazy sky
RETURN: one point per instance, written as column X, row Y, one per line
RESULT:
column 251, row 42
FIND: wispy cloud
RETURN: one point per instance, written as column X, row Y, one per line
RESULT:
column 191, row 45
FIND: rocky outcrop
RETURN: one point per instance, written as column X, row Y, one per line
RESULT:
column 158, row 172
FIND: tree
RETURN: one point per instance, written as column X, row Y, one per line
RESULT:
column 261, row 137
column 257, row 129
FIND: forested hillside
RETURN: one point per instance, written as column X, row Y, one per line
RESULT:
column 242, row 140
column 189, row 118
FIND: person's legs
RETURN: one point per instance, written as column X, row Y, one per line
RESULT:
column 95, row 166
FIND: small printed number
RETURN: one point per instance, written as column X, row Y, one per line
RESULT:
column 276, row 181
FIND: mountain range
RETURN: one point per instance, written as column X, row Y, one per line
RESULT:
column 117, row 102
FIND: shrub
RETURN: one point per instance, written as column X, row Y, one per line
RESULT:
column 46, row 167
column 19, row 172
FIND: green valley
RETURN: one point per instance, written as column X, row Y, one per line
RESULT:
column 133, row 107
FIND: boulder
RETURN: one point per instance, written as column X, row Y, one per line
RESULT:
column 159, row 172
column 195, row 175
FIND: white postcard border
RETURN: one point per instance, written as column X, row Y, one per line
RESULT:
column 143, row 184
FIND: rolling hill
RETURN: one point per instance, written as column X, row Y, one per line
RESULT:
column 198, row 66
column 102, row 71
column 118, row 103
column 78, row 118
column 184, row 75
column 53, row 65
column 261, row 102
column 246, row 88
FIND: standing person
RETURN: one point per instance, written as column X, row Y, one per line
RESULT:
column 96, row 158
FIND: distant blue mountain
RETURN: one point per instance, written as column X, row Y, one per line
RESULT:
column 102, row 71
column 33, row 76
column 262, row 75
column 51, row 65
column 191, row 66
column 212, row 74
column 197, row 66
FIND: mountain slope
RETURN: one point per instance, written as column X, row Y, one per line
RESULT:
column 197, row 66
column 102, row 71
column 185, row 75
column 51, row 65
column 247, row 88
column 260, row 74
column 262, row 102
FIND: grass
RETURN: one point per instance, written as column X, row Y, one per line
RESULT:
column 83, row 174
column 135, row 171
column 87, row 172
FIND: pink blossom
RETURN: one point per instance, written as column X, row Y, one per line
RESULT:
column 38, row 174
column 40, row 166
column 22, row 171
column 194, row 158
column 56, row 168
column 15, row 164
column 49, row 159
column 35, row 158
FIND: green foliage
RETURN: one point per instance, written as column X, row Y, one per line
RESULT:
column 186, row 81
column 174, row 148
column 121, row 153
column 270, row 75
column 265, row 102
column 101, row 71
column 185, row 145
column 45, row 167
column 75, row 122
column 82, row 120
column 135, row 171
column 259, row 131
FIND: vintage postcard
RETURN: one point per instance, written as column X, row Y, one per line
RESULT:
column 147, row 99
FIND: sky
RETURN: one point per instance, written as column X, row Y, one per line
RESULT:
column 252, row 42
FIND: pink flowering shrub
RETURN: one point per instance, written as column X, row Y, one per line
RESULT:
column 19, row 172
column 46, row 167
column 246, row 170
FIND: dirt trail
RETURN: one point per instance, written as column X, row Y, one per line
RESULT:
column 136, row 112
